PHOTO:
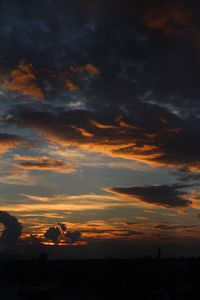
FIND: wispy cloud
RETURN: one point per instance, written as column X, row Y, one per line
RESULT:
column 67, row 203
column 42, row 163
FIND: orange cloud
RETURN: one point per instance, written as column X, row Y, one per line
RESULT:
column 23, row 80
column 67, row 203
column 88, row 68
column 41, row 163
column 172, row 18
column 71, row 86
column 195, row 198
column 8, row 141
column 103, row 126
column 119, row 148
column 92, row 69
column 158, row 146
column 83, row 132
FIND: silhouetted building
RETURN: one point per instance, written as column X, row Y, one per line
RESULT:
column 159, row 255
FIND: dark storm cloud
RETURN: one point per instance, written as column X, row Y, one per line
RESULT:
column 168, row 196
column 131, row 43
column 53, row 234
column 56, row 234
column 12, row 230
column 147, row 133
column 73, row 236
column 141, row 62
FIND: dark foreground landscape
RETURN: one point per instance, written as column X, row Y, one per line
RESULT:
column 145, row 278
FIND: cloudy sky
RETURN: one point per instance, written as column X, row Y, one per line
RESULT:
column 99, row 124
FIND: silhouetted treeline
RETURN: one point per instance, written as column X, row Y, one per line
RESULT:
column 137, row 279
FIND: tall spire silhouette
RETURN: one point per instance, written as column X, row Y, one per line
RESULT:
column 159, row 255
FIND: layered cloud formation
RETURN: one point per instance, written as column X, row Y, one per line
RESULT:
column 95, row 94
column 147, row 133
column 10, row 141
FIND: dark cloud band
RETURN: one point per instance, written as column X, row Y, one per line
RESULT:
column 167, row 196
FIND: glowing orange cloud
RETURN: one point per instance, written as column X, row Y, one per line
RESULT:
column 83, row 132
column 71, row 86
column 88, row 68
column 121, row 148
column 122, row 143
column 23, row 80
column 103, row 126
column 115, row 137
column 67, row 203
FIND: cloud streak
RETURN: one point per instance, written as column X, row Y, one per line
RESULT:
column 42, row 163
column 162, row 139
column 82, row 202
column 167, row 196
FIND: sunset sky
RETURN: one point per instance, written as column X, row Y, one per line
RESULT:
column 100, row 126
